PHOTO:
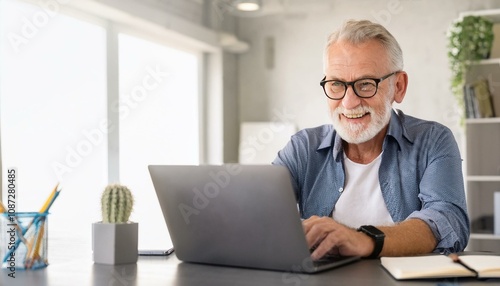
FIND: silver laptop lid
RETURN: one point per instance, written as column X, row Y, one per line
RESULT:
column 236, row 215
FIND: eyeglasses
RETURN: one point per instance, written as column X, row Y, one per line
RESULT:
column 363, row 87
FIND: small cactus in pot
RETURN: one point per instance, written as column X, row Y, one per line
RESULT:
column 115, row 238
column 116, row 204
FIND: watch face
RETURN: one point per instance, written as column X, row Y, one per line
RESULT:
column 377, row 235
column 372, row 231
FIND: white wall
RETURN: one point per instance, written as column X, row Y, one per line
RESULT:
column 290, row 90
column 300, row 31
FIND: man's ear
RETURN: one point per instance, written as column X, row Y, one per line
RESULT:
column 400, row 86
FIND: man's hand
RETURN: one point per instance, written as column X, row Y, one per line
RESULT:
column 326, row 236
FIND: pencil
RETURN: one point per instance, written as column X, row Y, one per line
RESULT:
column 456, row 259
column 46, row 206
column 35, row 255
column 52, row 199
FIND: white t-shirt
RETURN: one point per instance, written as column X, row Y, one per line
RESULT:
column 361, row 201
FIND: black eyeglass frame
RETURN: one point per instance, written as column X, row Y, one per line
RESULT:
column 351, row 83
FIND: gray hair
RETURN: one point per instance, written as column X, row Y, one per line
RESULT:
column 357, row 32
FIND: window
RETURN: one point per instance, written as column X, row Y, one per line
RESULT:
column 52, row 100
column 158, row 111
column 54, row 110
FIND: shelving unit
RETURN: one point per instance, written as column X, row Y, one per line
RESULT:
column 482, row 158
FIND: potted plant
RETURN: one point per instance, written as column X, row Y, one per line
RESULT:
column 115, row 238
column 469, row 40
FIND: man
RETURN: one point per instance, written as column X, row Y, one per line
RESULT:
column 378, row 182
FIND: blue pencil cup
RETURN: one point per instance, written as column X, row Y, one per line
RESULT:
column 23, row 240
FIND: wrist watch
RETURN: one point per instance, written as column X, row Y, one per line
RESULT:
column 377, row 235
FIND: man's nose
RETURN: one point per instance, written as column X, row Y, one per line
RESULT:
column 350, row 100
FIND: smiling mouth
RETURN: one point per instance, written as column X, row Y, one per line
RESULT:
column 355, row 115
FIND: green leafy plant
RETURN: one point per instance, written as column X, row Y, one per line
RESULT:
column 116, row 204
column 469, row 40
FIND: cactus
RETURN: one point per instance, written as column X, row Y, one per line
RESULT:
column 116, row 204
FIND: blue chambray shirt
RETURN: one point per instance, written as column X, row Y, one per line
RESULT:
column 420, row 175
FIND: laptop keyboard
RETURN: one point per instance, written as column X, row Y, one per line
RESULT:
column 328, row 259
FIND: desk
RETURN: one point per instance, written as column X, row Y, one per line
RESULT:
column 71, row 264
column 150, row 271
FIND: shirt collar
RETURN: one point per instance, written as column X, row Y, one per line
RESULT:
column 397, row 128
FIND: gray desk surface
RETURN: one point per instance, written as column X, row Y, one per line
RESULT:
column 150, row 271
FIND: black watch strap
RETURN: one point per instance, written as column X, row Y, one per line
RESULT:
column 377, row 235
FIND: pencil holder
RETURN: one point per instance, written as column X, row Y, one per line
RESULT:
column 23, row 240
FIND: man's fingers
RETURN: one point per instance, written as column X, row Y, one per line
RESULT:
column 327, row 246
column 327, row 236
column 316, row 229
column 308, row 223
column 314, row 235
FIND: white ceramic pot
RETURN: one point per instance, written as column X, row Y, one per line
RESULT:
column 115, row 243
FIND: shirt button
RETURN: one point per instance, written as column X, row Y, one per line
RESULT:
column 341, row 190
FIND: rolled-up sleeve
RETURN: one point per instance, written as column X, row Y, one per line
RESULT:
column 442, row 194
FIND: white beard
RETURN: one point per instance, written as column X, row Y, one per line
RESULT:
column 356, row 133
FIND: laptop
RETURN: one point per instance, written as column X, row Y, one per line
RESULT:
column 235, row 215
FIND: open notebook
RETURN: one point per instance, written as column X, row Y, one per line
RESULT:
column 441, row 266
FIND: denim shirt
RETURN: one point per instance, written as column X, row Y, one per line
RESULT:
column 420, row 175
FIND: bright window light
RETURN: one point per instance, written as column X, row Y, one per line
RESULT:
column 54, row 120
column 159, row 124
column 53, row 103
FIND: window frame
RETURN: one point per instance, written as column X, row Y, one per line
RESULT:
column 210, row 75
